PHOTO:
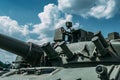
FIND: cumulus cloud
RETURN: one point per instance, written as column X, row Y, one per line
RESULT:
column 51, row 18
column 90, row 8
column 12, row 28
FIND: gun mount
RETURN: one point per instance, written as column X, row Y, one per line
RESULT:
column 72, row 52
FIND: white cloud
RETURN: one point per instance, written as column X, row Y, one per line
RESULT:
column 104, row 8
column 80, row 7
column 51, row 18
column 95, row 8
column 12, row 28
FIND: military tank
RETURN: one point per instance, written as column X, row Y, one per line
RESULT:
column 74, row 55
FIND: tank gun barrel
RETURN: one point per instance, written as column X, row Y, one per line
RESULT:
column 30, row 52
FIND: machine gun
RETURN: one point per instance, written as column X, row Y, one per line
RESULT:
column 80, row 51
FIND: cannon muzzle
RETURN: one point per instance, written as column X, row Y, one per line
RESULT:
column 32, row 53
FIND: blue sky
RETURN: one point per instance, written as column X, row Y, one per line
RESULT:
column 35, row 20
column 23, row 11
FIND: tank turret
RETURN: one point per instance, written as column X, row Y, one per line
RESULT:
column 74, row 55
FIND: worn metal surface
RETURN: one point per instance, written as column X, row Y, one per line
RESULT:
column 81, row 73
